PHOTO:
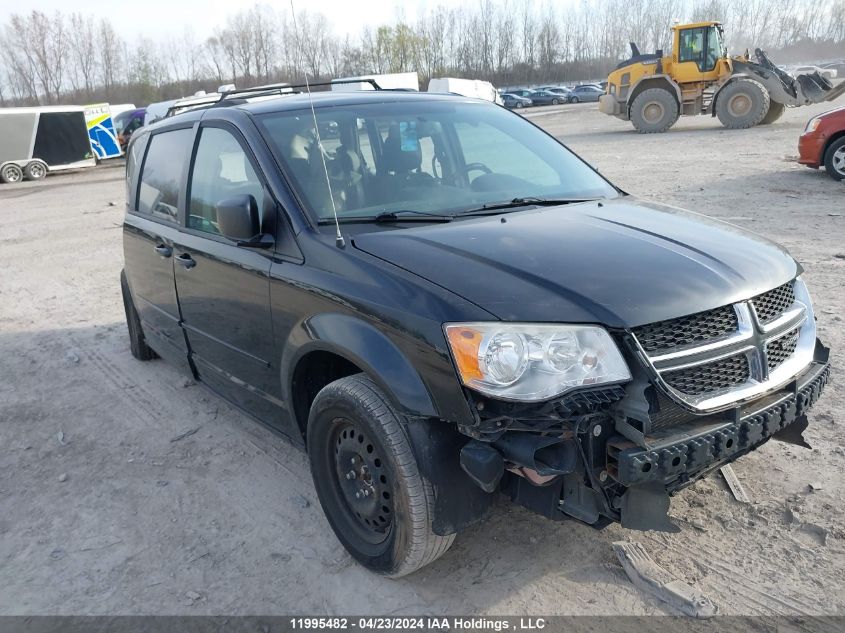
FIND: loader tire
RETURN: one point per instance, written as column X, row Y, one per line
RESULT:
column 654, row 110
column 741, row 104
column 775, row 112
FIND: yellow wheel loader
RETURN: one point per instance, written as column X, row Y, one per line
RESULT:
column 652, row 90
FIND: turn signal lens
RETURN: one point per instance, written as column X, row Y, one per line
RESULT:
column 464, row 343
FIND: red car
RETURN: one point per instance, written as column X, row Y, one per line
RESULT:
column 823, row 143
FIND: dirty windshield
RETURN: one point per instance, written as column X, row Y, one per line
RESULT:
column 423, row 157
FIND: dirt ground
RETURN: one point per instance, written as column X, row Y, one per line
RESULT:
column 105, row 510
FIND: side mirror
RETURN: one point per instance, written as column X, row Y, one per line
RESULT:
column 237, row 217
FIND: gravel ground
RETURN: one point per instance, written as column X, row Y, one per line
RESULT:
column 104, row 510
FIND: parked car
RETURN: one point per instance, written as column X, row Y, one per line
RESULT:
column 515, row 101
column 541, row 97
column 126, row 123
column 561, row 90
column 827, row 73
column 839, row 67
column 585, row 92
column 446, row 303
column 823, row 143
column 521, row 92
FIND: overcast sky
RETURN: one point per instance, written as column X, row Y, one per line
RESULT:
column 157, row 18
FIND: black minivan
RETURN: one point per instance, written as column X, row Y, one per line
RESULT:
column 442, row 304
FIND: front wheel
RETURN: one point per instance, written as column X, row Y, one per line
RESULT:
column 368, row 481
column 555, row 102
column 834, row 159
column 775, row 112
column 574, row 100
column 518, row 105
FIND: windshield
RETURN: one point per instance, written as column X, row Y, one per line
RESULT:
column 423, row 157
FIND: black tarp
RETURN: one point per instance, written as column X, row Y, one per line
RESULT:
column 62, row 138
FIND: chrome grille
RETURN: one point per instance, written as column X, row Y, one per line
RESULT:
column 779, row 350
column 773, row 303
column 710, row 377
column 710, row 360
column 687, row 330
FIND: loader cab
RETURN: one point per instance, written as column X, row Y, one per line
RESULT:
column 697, row 51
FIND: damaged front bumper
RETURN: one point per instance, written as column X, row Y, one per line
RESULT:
column 568, row 459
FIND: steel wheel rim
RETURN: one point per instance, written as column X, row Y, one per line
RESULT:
column 653, row 111
column 37, row 170
column 839, row 161
column 363, row 482
column 11, row 174
column 739, row 105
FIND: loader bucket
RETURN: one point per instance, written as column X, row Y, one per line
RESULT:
column 816, row 88
column 785, row 89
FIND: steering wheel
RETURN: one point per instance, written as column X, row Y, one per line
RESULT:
column 477, row 167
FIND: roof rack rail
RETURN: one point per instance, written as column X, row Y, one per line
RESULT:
column 219, row 100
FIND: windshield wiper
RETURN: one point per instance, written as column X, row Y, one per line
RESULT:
column 404, row 215
column 515, row 203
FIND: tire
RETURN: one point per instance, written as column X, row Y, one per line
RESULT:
column 137, row 342
column 518, row 105
column 555, row 102
column 354, row 434
column 741, row 104
column 775, row 112
column 574, row 100
column 654, row 110
column 834, row 159
column 35, row 170
column 11, row 173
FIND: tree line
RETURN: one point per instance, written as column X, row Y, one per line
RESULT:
column 75, row 58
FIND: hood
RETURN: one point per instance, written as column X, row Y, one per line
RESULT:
column 621, row 263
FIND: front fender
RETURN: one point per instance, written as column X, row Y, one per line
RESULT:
column 368, row 348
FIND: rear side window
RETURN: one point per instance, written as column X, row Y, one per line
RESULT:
column 158, row 194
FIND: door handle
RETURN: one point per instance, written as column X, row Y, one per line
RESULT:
column 164, row 251
column 186, row 260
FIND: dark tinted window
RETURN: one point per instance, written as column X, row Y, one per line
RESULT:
column 221, row 170
column 422, row 156
column 158, row 194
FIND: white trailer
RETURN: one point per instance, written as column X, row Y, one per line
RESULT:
column 465, row 87
column 390, row 81
column 42, row 139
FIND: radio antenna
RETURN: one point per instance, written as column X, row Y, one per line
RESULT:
column 338, row 236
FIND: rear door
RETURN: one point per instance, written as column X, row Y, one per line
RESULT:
column 224, row 289
column 149, row 231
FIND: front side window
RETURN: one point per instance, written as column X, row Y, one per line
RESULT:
column 438, row 157
column 158, row 193
column 221, row 171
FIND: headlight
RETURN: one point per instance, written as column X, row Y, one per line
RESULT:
column 530, row 363
column 812, row 124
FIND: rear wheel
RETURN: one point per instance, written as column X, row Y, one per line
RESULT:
column 741, row 104
column 35, row 170
column 137, row 342
column 654, row 110
column 367, row 479
column 834, row 159
column 11, row 173
column 775, row 112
